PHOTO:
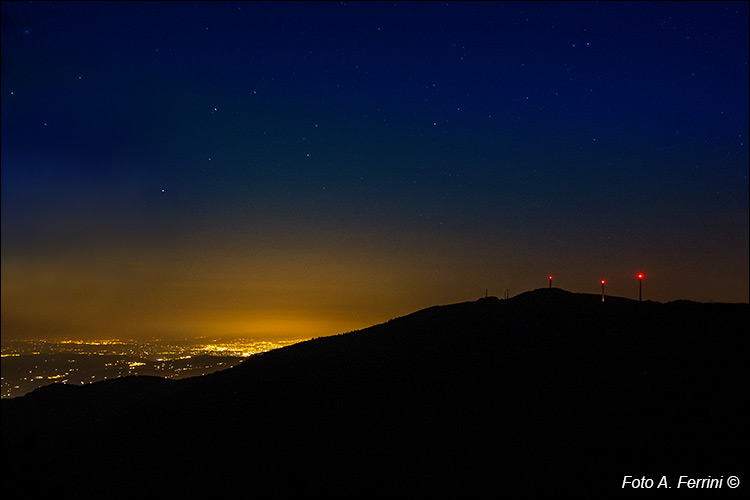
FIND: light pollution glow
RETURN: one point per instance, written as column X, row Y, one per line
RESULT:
column 332, row 170
column 314, row 287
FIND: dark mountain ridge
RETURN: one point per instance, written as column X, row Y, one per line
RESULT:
column 544, row 394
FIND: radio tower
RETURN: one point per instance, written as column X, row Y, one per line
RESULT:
column 640, row 287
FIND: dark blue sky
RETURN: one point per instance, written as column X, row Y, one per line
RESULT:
column 271, row 167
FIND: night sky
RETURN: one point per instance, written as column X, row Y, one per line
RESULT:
column 285, row 169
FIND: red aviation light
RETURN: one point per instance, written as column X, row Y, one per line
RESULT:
column 640, row 276
column 603, row 282
column 550, row 277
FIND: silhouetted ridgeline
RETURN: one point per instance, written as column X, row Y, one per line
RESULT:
column 549, row 393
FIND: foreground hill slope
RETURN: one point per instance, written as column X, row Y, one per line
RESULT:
column 546, row 393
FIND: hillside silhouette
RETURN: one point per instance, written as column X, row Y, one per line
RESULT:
column 548, row 393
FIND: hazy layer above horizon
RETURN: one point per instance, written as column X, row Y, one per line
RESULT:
column 301, row 169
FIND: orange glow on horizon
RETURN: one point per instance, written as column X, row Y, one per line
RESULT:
column 276, row 326
column 309, row 286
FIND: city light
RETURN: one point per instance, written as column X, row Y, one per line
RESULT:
column 28, row 364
